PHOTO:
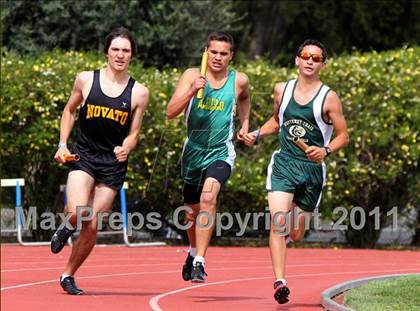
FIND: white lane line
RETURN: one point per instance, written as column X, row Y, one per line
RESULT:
column 158, row 272
column 86, row 277
column 121, row 274
column 87, row 266
column 133, row 259
column 213, row 263
column 131, row 265
column 64, row 260
column 128, row 274
column 154, row 301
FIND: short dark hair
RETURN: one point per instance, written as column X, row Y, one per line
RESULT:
column 123, row 33
column 220, row 36
column 316, row 43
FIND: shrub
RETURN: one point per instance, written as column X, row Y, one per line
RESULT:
column 378, row 168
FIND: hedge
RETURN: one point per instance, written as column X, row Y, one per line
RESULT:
column 379, row 92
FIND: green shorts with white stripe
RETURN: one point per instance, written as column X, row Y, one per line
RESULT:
column 303, row 178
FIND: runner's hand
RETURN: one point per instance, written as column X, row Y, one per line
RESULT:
column 121, row 153
column 316, row 154
column 241, row 134
column 250, row 138
column 199, row 83
column 59, row 155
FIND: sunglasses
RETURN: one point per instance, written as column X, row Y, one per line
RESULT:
column 315, row 57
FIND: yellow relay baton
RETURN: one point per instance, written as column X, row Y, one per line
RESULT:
column 203, row 70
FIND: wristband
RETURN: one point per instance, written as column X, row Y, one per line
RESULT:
column 62, row 145
column 258, row 136
column 327, row 151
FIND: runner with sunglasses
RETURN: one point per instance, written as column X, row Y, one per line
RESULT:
column 308, row 109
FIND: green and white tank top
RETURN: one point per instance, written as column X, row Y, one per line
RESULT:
column 303, row 121
column 210, row 121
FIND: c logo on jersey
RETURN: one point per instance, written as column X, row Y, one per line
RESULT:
column 297, row 131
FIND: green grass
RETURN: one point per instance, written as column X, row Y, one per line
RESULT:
column 400, row 294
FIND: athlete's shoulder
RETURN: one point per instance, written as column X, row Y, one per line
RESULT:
column 84, row 76
column 332, row 96
column 279, row 88
column 242, row 78
column 139, row 87
column 140, row 91
column 188, row 76
column 191, row 72
column 283, row 84
column 332, row 101
column 83, row 80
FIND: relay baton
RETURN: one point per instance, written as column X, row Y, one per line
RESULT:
column 71, row 157
column 203, row 70
column 302, row 145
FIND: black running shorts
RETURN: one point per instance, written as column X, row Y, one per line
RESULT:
column 219, row 170
column 104, row 168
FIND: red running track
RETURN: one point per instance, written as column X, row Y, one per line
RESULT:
column 240, row 278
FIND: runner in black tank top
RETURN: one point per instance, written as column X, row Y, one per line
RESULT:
column 111, row 106
column 104, row 122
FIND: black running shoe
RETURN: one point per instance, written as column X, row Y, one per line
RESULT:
column 69, row 286
column 59, row 239
column 187, row 267
column 288, row 239
column 198, row 275
column 281, row 292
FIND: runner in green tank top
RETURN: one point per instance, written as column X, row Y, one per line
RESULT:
column 307, row 109
column 210, row 130
column 208, row 155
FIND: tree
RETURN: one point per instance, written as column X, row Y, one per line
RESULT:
column 278, row 27
column 167, row 32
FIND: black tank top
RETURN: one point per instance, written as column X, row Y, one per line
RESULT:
column 104, row 122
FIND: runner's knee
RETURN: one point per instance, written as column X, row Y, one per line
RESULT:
column 90, row 227
column 280, row 223
column 190, row 216
column 207, row 200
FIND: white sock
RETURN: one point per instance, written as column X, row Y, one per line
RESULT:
column 199, row 259
column 193, row 251
column 63, row 276
column 282, row 280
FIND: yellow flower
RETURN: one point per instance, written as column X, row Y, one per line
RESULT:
column 405, row 148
